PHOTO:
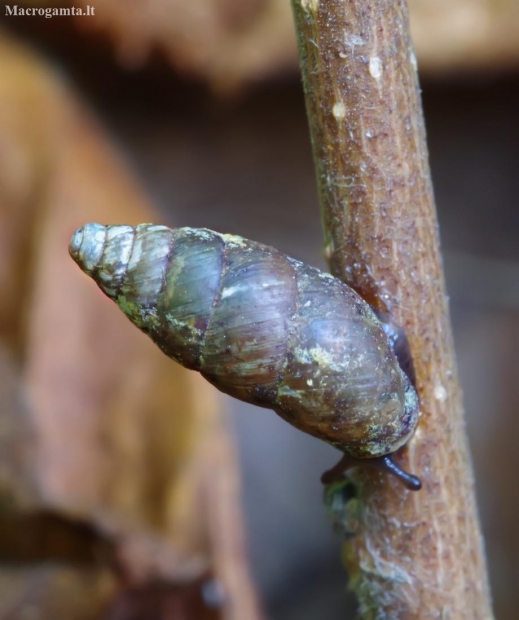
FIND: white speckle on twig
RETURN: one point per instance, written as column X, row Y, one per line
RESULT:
column 440, row 393
column 339, row 110
column 375, row 67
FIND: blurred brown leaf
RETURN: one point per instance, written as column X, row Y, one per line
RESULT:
column 107, row 429
column 51, row 592
column 466, row 34
column 227, row 42
column 233, row 42
column 163, row 601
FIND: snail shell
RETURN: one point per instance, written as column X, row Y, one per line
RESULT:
column 260, row 326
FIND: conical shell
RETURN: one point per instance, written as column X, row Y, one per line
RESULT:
column 259, row 326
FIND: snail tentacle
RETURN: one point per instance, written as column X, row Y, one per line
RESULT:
column 385, row 463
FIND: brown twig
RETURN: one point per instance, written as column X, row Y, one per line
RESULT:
column 414, row 555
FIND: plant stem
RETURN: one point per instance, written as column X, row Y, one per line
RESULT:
column 413, row 555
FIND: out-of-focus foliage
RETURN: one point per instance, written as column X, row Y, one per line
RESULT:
column 466, row 34
column 232, row 42
column 53, row 591
column 98, row 428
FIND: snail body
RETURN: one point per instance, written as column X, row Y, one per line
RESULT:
column 260, row 326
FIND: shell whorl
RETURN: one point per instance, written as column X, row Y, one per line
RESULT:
column 260, row 326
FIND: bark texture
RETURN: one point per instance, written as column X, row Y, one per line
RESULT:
column 412, row 555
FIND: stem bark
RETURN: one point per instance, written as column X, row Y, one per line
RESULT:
column 412, row 555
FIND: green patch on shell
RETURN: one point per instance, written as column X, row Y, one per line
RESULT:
column 128, row 307
column 143, row 318
column 183, row 327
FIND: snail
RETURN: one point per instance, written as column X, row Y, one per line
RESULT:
column 264, row 328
